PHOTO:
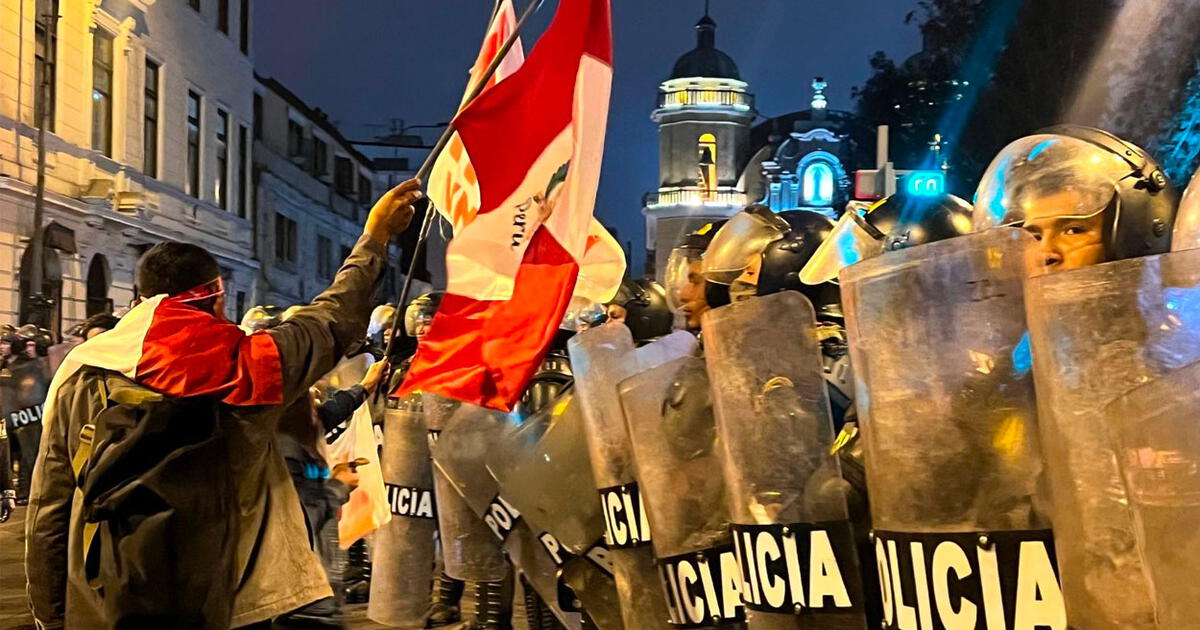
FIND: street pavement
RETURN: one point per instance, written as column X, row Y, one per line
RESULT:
column 14, row 611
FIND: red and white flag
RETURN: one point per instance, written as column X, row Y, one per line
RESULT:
column 535, row 141
column 453, row 187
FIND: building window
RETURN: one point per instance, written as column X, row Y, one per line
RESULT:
column 195, row 4
column 707, row 161
column 320, row 157
column 258, row 116
column 324, row 257
column 818, row 184
column 244, row 28
column 285, row 239
column 150, row 122
column 243, row 149
column 295, row 139
column 343, row 175
column 102, row 74
column 241, row 304
column 364, row 189
column 192, row 184
column 223, row 16
column 221, row 183
column 45, row 62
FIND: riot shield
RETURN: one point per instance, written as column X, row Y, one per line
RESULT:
column 602, row 357
column 949, row 428
column 1096, row 333
column 403, row 554
column 783, row 484
column 564, row 508
column 671, row 429
column 1157, row 443
column 471, row 544
column 544, row 472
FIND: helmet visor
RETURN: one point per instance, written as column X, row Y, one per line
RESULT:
column 418, row 316
column 678, row 276
column 1047, row 176
column 848, row 243
column 738, row 242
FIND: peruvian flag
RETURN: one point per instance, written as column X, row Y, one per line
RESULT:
column 535, row 142
column 166, row 344
column 453, row 187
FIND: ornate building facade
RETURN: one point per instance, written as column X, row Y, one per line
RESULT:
column 713, row 159
column 147, row 140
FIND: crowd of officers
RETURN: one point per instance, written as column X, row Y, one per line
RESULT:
column 925, row 413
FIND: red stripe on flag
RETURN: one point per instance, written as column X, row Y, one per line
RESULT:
column 485, row 352
column 189, row 352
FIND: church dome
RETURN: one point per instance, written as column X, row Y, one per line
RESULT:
column 705, row 60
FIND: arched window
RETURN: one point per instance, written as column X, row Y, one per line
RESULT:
column 707, row 158
column 97, row 286
column 818, row 184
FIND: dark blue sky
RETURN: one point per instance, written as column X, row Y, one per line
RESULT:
column 368, row 61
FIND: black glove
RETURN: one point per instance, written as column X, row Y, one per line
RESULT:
column 8, row 500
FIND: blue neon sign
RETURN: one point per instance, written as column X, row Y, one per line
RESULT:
column 925, row 183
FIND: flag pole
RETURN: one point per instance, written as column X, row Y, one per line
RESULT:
column 427, row 166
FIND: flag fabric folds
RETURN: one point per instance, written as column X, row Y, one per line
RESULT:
column 535, row 142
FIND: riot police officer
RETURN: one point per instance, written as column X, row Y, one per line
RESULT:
column 685, row 276
column 1086, row 195
column 23, row 384
column 641, row 305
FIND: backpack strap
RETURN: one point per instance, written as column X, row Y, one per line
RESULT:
column 87, row 436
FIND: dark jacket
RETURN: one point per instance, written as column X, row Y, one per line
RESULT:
column 320, row 497
column 278, row 572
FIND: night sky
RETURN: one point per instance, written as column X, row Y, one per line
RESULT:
column 369, row 61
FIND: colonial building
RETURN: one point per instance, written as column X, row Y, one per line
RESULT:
column 313, row 191
column 713, row 160
column 148, row 138
column 704, row 115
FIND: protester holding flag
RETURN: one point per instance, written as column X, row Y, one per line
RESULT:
column 159, row 498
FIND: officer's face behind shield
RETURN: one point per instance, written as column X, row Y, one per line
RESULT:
column 1064, row 190
column 418, row 316
column 685, row 285
column 734, row 257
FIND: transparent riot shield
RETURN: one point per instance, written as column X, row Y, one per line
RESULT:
column 601, row 358
column 792, row 533
column 671, row 429
column 403, row 554
column 949, row 428
column 544, row 472
column 1096, row 333
column 1156, row 437
column 564, row 508
column 472, row 546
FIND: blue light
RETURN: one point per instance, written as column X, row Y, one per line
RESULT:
column 818, row 184
column 925, row 183
column 1022, row 356
column 1042, row 146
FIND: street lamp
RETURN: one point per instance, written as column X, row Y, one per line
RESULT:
column 37, row 305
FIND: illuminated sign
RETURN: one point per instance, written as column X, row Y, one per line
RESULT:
column 925, row 183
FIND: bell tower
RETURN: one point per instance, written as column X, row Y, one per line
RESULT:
column 704, row 115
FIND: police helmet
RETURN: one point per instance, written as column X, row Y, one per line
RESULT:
column 1072, row 171
column 683, row 257
column 646, row 312
column 896, row 222
column 262, row 317
column 419, row 314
